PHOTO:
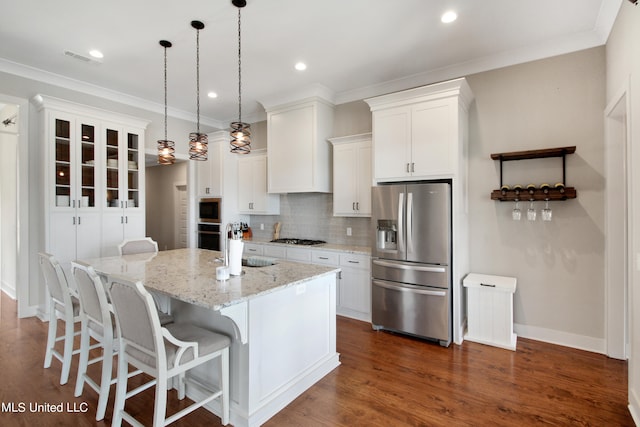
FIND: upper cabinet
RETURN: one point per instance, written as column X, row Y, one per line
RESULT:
column 419, row 133
column 352, row 175
column 298, row 152
column 252, row 186
column 93, row 166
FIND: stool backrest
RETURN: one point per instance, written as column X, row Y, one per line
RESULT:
column 54, row 278
column 92, row 294
column 138, row 246
column 138, row 321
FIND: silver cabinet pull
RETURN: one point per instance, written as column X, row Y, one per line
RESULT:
column 413, row 167
column 408, row 168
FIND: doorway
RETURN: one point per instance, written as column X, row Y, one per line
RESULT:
column 617, row 214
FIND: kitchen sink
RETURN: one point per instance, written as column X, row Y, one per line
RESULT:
column 258, row 261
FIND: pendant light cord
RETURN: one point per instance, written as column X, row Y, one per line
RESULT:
column 239, row 69
column 165, row 93
column 198, row 78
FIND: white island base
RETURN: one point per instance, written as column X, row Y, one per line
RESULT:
column 283, row 342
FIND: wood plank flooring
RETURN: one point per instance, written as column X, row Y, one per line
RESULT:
column 384, row 380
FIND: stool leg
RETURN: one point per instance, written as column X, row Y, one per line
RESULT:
column 224, row 379
column 160, row 406
column 121, row 389
column 68, row 348
column 84, row 359
column 51, row 338
column 105, row 380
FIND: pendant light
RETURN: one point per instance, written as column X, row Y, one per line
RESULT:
column 198, row 142
column 240, row 133
column 165, row 147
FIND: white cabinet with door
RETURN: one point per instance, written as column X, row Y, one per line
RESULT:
column 352, row 175
column 93, row 165
column 74, row 212
column 209, row 177
column 252, row 186
column 124, row 186
column 298, row 152
column 419, row 133
column 354, row 289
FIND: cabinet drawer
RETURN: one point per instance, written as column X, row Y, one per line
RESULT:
column 354, row 260
column 253, row 249
column 275, row 251
column 324, row 257
column 302, row 255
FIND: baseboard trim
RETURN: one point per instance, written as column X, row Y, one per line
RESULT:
column 634, row 406
column 8, row 290
column 552, row 336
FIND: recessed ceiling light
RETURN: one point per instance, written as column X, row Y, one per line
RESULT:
column 449, row 17
column 301, row 66
column 212, row 95
column 96, row 53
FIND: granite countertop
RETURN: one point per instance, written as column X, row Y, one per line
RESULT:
column 189, row 275
column 362, row 250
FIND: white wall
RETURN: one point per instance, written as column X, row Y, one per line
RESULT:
column 559, row 265
column 623, row 68
column 8, row 202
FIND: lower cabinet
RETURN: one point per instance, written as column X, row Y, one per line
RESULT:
column 354, row 282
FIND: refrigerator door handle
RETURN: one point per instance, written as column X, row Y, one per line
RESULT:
column 401, row 220
column 410, row 288
column 409, row 223
column 409, row 267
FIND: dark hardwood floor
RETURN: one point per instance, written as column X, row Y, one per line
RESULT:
column 384, row 380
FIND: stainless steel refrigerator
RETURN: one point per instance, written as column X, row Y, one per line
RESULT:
column 411, row 259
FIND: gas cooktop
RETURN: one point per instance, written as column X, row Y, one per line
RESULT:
column 304, row 242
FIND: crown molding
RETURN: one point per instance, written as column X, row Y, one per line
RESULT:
column 53, row 79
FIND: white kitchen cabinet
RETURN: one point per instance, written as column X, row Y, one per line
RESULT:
column 354, row 286
column 253, row 249
column 209, row 179
column 298, row 152
column 352, row 175
column 418, row 133
column 253, row 198
column 93, row 166
column 274, row 251
column 124, row 216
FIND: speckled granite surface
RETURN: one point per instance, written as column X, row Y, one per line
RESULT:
column 190, row 275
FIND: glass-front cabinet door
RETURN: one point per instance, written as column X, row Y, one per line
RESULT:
column 123, row 173
column 75, row 163
column 112, row 167
column 88, row 173
column 63, row 146
column 133, row 170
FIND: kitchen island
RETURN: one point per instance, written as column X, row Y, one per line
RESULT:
column 281, row 317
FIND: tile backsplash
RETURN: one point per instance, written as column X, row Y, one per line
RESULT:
column 310, row 216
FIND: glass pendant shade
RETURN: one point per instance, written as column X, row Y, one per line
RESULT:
column 198, row 146
column 166, row 150
column 198, row 142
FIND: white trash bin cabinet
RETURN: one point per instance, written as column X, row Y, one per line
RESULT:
column 490, row 310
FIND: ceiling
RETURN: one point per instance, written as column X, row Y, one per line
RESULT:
column 353, row 48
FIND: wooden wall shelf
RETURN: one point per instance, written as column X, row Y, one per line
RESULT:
column 534, row 154
column 524, row 195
